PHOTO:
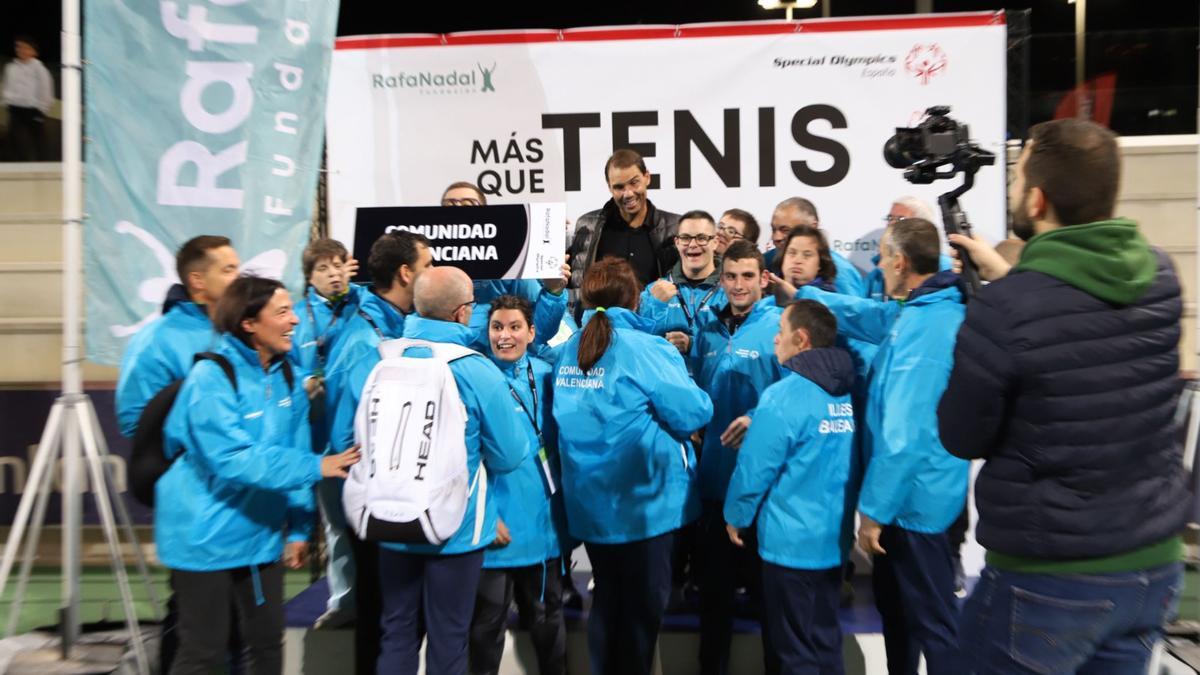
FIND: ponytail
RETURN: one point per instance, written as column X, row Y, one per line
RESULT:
column 607, row 283
column 594, row 341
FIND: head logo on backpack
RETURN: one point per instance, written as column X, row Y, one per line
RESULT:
column 148, row 459
column 412, row 485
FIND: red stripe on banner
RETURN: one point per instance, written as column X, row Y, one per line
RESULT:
column 502, row 37
column 386, row 41
column 900, row 22
column 904, row 23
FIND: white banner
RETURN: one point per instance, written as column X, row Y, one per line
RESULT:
column 732, row 115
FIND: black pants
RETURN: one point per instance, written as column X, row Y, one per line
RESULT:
column 537, row 590
column 208, row 602
column 914, row 592
column 633, row 584
column 800, row 613
column 27, row 133
column 367, row 634
column 724, row 566
column 428, row 597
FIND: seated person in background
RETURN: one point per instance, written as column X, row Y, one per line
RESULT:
column 795, row 484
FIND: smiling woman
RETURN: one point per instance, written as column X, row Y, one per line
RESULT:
column 258, row 312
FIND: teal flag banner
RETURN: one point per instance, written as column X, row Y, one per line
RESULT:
column 201, row 117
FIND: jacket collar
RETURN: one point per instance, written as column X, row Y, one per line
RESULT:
column 389, row 317
column 509, row 368
column 611, row 215
column 678, row 277
column 945, row 285
column 436, row 330
column 247, row 355
column 830, row 368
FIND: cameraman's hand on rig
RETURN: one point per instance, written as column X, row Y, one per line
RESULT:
column 991, row 265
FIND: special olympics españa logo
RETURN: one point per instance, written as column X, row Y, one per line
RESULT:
column 925, row 61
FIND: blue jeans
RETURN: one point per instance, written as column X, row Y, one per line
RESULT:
column 1096, row 624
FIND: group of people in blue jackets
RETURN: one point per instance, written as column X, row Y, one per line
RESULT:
column 749, row 409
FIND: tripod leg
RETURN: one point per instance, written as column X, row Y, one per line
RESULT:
column 35, row 535
column 47, row 449
column 104, row 506
column 123, row 518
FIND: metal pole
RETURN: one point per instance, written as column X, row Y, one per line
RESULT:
column 72, row 372
column 1080, row 51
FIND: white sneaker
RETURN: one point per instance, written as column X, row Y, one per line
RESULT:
column 334, row 618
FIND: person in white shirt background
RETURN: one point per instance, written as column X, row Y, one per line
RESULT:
column 28, row 93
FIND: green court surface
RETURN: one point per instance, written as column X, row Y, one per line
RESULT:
column 100, row 598
column 102, row 601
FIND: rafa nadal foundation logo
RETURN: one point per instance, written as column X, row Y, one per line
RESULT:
column 487, row 76
column 925, row 61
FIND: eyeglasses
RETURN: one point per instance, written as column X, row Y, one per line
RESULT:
column 466, row 201
column 470, row 304
column 687, row 239
column 889, row 219
column 730, row 232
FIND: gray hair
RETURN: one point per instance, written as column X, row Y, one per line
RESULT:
column 440, row 291
column 919, row 208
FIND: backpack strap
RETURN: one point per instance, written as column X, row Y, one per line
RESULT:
column 444, row 351
column 227, row 367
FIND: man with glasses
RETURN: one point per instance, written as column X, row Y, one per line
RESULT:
column 903, row 207
column 547, row 296
column 736, row 224
column 795, row 211
column 627, row 227
column 684, row 298
column 427, row 591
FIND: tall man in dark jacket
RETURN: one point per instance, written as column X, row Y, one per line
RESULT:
column 628, row 226
column 1066, row 381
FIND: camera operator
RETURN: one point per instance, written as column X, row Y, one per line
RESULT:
column 1066, row 382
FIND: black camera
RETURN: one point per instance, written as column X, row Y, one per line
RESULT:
column 937, row 141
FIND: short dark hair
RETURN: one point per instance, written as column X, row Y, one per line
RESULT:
column 917, row 239
column 465, row 184
column 697, row 214
column 744, row 249
column 815, row 318
column 193, row 255
column 319, row 249
column 1077, row 165
column 391, row 252
column 244, row 299
column 752, row 231
column 512, row 302
column 623, row 159
column 827, row 269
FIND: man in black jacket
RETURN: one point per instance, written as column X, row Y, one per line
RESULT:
column 1066, row 382
column 628, row 227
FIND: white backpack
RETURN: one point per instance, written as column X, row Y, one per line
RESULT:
column 411, row 485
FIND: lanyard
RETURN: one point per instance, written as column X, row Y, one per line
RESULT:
column 371, row 321
column 683, row 305
column 531, row 415
column 541, row 453
column 312, row 320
